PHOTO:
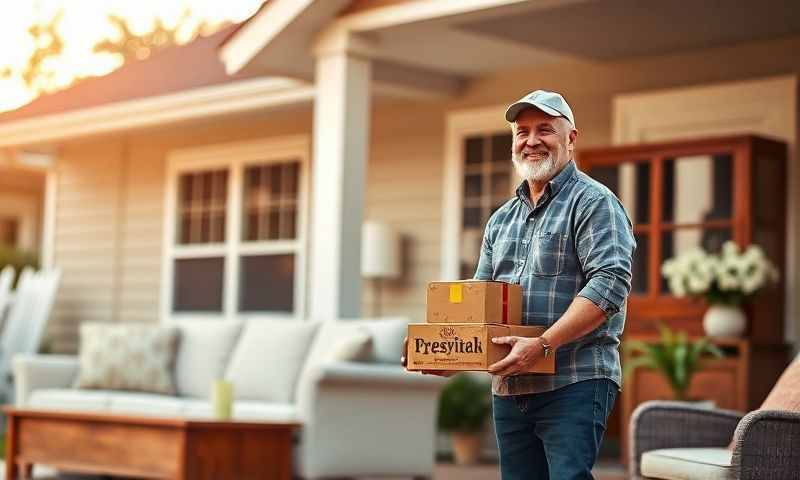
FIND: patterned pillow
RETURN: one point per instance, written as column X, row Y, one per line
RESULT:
column 135, row 357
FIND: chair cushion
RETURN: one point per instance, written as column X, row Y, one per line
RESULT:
column 687, row 464
column 268, row 358
column 204, row 350
column 130, row 356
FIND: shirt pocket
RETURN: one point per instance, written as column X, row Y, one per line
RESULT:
column 547, row 254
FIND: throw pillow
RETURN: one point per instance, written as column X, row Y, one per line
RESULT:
column 352, row 348
column 785, row 395
column 135, row 357
column 204, row 350
column 268, row 358
column 387, row 338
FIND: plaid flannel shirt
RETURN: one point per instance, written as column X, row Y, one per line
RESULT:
column 576, row 241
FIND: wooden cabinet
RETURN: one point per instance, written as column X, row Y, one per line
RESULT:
column 701, row 193
column 723, row 381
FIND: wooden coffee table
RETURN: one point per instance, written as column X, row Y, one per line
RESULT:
column 146, row 447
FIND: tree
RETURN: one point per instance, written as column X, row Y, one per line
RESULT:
column 47, row 44
column 137, row 47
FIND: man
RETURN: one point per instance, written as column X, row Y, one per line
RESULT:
column 567, row 240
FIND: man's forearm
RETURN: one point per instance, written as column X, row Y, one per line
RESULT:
column 581, row 317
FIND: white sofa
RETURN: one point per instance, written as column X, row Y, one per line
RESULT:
column 360, row 418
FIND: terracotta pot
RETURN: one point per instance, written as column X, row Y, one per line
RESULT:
column 466, row 447
column 724, row 321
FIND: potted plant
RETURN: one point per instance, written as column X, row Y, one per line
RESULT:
column 674, row 355
column 464, row 407
column 726, row 281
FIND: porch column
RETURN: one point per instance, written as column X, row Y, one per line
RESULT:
column 341, row 141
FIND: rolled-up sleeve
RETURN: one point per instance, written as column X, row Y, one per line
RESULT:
column 605, row 245
column 484, row 270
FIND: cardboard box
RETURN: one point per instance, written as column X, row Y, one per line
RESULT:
column 474, row 301
column 465, row 346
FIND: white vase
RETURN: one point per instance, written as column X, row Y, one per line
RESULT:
column 724, row 321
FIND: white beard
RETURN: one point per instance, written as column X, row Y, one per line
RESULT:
column 538, row 171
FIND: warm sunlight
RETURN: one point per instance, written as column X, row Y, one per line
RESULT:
column 85, row 23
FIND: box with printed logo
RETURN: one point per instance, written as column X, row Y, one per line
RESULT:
column 465, row 346
column 474, row 301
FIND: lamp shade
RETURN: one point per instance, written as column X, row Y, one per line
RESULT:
column 380, row 251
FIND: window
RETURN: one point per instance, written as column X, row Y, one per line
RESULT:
column 676, row 203
column 489, row 182
column 9, row 231
column 235, row 230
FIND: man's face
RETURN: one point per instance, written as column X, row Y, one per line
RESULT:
column 542, row 144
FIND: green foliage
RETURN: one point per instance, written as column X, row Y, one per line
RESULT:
column 17, row 258
column 674, row 355
column 465, row 404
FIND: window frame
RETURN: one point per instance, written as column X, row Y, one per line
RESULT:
column 460, row 125
column 236, row 157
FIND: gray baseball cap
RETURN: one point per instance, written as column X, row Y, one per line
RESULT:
column 550, row 103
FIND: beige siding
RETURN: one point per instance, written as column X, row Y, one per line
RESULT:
column 86, row 236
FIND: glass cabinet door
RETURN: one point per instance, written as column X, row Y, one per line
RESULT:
column 630, row 182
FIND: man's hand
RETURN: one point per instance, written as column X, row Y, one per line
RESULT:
column 524, row 353
column 404, row 363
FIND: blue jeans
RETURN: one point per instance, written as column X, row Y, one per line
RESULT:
column 553, row 435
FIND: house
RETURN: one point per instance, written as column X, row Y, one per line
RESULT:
column 230, row 177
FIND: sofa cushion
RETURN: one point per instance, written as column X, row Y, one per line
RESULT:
column 145, row 404
column 688, row 464
column 136, row 357
column 244, row 410
column 69, row 399
column 268, row 358
column 204, row 350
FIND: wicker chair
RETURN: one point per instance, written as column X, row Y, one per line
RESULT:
column 677, row 440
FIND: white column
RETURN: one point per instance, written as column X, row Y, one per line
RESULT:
column 341, row 142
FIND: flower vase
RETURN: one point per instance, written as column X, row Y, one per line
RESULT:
column 724, row 321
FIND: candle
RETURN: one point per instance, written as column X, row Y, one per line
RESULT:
column 222, row 399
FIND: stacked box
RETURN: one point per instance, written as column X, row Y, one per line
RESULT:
column 462, row 318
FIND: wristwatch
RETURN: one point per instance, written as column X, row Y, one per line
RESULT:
column 545, row 346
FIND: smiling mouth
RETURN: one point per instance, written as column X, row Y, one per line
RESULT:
column 535, row 155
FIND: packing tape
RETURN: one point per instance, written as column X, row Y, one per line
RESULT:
column 456, row 294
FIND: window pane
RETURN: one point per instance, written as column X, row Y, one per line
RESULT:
column 472, row 186
column 472, row 217
column 639, row 280
column 202, row 207
column 474, row 150
column 501, row 184
column 270, row 200
column 630, row 182
column 266, row 283
column 501, row 148
column 198, row 285
column 698, row 189
column 676, row 242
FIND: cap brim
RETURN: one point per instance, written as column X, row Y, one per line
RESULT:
column 516, row 108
